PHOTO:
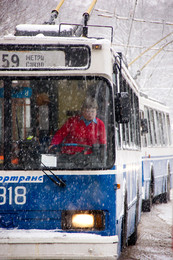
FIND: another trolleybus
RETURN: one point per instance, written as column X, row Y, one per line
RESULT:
column 157, row 151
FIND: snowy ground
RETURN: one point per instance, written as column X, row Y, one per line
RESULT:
column 155, row 241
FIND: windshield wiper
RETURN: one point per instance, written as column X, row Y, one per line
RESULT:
column 58, row 181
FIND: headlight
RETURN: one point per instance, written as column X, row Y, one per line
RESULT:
column 82, row 221
column 79, row 220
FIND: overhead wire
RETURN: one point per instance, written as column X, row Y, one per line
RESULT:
column 109, row 14
column 152, row 72
column 149, row 48
column 155, row 55
column 131, row 27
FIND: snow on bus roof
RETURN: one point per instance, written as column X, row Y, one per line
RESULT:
column 41, row 27
column 142, row 94
column 46, row 29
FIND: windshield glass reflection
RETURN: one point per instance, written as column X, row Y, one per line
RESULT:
column 60, row 124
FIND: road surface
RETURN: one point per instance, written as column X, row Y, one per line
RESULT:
column 154, row 235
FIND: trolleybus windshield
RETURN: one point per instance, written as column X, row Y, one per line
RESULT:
column 33, row 110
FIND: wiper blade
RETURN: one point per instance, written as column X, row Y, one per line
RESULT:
column 58, row 181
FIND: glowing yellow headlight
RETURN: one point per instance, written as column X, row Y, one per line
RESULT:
column 83, row 221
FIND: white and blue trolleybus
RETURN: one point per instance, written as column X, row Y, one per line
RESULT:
column 157, row 152
column 57, row 205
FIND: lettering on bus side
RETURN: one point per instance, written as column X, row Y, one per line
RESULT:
column 16, row 195
column 21, row 179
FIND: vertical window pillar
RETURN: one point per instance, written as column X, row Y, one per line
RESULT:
column 7, row 124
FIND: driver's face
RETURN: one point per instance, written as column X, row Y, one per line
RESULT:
column 89, row 113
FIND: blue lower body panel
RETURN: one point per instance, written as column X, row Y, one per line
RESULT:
column 39, row 204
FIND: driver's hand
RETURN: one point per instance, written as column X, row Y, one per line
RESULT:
column 54, row 148
column 50, row 147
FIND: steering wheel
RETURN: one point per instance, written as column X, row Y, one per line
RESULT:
column 57, row 147
column 76, row 158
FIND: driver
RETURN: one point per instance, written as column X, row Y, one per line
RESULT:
column 80, row 131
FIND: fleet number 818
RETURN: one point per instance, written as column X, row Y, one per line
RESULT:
column 6, row 195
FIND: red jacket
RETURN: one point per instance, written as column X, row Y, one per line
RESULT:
column 75, row 131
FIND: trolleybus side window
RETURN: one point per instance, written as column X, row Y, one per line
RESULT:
column 165, row 136
column 150, row 140
column 143, row 134
column 137, row 120
column 130, row 130
column 116, row 84
column 155, row 127
column 153, row 132
column 157, row 134
column 161, row 128
column 125, row 127
column 168, row 128
column 132, row 119
column 158, row 129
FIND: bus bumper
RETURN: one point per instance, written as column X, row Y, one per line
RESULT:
column 43, row 244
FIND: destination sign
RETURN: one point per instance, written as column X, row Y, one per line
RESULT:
column 43, row 57
column 32, row 59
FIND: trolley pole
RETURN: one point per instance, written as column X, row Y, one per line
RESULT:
column 86, row 16
column 55, row 13
column 82, row 29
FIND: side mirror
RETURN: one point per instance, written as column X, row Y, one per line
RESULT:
column 144, row 126
column 122, row 107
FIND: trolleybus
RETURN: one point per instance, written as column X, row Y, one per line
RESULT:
column 157, row 151
column 56, row 204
